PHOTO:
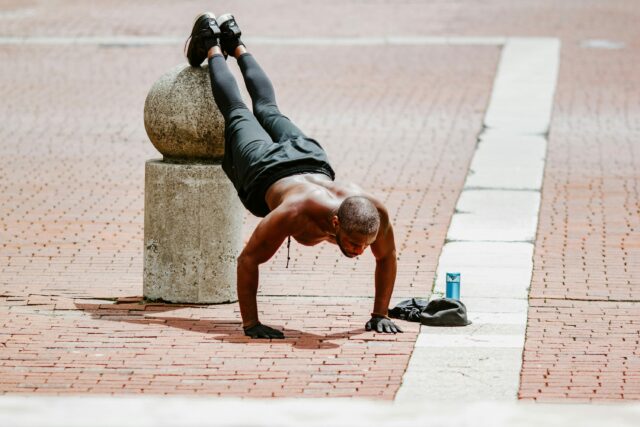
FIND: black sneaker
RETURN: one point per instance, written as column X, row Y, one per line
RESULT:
column 230, row 38
column 204, row 35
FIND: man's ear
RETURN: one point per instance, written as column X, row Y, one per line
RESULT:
column 335, row 221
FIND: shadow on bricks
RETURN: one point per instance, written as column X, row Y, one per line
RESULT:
column 228, row 331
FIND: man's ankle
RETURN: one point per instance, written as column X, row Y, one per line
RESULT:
column 240, row 50
column 250, row 325
column 214, row 50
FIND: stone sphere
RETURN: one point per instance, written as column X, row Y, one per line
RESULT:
column 181, row 117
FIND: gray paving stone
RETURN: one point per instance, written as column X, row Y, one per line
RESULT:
column 486, row 255
column 488, row 269
column 495, row 215
column 491, row 305
column 602, row 44
column 423, row 406
column 522, row 98
column 494, row 282
column 462, row 374
column 515, row 162
column 479, row 318
column 478, row 327
column 470, row 340
column 483, row 360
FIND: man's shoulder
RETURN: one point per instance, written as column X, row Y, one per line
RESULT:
column 340, row 190
column 310, row 201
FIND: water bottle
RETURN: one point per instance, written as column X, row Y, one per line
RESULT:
column 453, row 285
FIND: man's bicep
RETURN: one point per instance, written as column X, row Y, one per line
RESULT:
column 267, row 237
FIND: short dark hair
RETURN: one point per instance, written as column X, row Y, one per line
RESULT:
column 358, row 214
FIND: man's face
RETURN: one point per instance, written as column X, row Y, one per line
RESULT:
column 353, row 244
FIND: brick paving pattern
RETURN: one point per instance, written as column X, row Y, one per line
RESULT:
column 581, row 350
column 71, row 316
column 583, row 337
column 583, row 334
column 71, row 232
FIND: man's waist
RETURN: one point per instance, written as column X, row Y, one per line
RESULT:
column 270, row 179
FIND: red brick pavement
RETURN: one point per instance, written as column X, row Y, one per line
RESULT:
column 583, row 338
column 71, row 192
column 582, row 350
column 583, row 295
column 571, row 20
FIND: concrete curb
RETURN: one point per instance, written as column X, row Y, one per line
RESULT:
column 157, row 411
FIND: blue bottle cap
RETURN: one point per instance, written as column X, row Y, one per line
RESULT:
column 453, row 277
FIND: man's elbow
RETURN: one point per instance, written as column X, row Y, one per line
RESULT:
column 246, row 261
column 388, row 257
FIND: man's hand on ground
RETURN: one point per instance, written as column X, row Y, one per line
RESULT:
column 263, row 331
column 382, row 324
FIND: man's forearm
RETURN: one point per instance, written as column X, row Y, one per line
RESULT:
column 386, row 269
column 248, row 291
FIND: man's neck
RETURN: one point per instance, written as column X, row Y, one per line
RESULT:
column 329, row 227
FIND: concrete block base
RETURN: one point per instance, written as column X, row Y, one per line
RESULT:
column 192, row 233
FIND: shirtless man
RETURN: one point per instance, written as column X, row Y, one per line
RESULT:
column 285, row 177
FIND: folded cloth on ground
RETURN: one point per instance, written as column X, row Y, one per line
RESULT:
column 437, row 312
column 409, row 309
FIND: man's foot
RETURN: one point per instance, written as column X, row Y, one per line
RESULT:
column 230, row 38
column 204, row 35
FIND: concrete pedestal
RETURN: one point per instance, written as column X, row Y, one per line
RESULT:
column 192, row 233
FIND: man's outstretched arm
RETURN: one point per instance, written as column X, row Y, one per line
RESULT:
column 262, row 245
column 384, row 249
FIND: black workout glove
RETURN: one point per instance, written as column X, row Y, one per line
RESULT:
column 263, row 331
column 382, row 324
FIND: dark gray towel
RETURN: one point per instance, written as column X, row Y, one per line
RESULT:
column 438, row 312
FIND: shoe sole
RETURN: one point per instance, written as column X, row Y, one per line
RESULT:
column 194, row 27
column 224, row 18
column 200, row 15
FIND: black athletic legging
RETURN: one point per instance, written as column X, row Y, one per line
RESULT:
column 263, row 146
column 265, row 110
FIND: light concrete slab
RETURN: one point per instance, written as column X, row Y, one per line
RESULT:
column 466, row 340
column 495, row 215
column 524, row 87
column 479, row 328
column 508, row 163
column 489, row 282
column 462, row 374
column 500, row 305
column 602, row 44
column 490, row 238
column 486, row 254
column 514, row 138
column 487, row 269
column 423, row 407
column 497, row 318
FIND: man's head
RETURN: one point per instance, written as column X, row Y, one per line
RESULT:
column 356, row 223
